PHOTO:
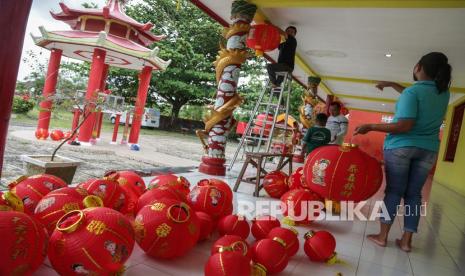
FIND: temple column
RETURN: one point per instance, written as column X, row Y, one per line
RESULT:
column 51, row 79
column 139, row 109
column 103, row 85
column 115, row 129
column 13, row 29
column 95, row 76
column 75, row 123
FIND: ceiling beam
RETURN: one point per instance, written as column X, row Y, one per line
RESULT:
column 453, row 89
column 369, row 110
column 360, row 3
column 365, row 98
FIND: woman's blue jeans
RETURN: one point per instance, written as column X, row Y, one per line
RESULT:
column 406, row 170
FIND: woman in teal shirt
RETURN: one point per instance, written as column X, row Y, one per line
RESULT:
column 412, row 143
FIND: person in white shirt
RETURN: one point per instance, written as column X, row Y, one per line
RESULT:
column 337, row 124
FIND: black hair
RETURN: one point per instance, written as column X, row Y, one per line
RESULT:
column 436, row 66
column 292, row 27
column 336, row 104
column 321, row 118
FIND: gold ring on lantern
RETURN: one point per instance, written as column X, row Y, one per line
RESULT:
column 281, row 241
column 222, row 249
column 92, row 201
column 244, row 246
column 349, row 146
column 259, row 270
column 72, row 227
column 294, row 230
column 184, row 207
column 309, row 234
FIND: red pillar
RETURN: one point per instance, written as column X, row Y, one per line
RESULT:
column 115, row 129
column 76, row 116
column 103, row 84
column 95, row 76
column 139, row 109
column 50, row 84
column 13, row 19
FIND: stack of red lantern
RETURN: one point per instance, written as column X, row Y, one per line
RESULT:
column 320, row 246
column 297, row 179
column 299, row 205
column 262, row 225
column 133, row 186
column 179, row 183
column 234, row 225
column 230, row 255
column 108, row 190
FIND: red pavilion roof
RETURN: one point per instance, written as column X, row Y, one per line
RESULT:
column 113, row 10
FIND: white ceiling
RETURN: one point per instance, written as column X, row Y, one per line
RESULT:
column 352, row 43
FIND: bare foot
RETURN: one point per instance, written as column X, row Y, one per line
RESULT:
column 377, row 240
column 402, row 246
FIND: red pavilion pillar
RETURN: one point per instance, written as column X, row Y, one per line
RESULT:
column 13, row 29
column 103, row 84
column 139, row 109
column 50, row 84
column 95, row 76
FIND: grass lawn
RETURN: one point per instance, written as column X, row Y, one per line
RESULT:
column 63, row 119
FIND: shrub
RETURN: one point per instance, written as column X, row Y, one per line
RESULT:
column 22, row 105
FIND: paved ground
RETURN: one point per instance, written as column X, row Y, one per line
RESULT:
column 163, row 150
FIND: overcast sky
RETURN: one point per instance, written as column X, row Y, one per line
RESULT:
column 40, row 16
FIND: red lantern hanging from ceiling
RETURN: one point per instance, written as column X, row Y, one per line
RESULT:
column 299, row 205
column 297, row 179
column 342, row 173
column 320, row 246
column 57, row 135
column 24, row 243
column 178, row 182
column 220, row 184
column 269, row 256
column 275, row 183
column 31, row 189
column 233, row 242
column 166, row 229
column 94, row 241
column 108, row 190
column 227, row 263
column 62, row 201
column 210, row 200
column 234, row 225
column 262, row 225
column 288, row 236
column 263, row 38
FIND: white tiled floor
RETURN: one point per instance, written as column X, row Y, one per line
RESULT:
column 439, row 247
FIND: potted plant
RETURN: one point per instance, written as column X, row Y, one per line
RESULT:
column 54, row 164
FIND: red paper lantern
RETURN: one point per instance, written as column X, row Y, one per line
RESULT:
column 227, row 263
column 156, row 194
column 234, row 243
column 299, row 204
column 108, row 190
column 263, row 119
column 67, row 134
column 288, row 237
column 234, row 225
column 32, row 189
column 129, row 180
column 220, row 184
column 210, row 200
column 60, row 202
column 206, row 225
column 262, row 225
column 269, row 256
column 319, row 246
column 297, row 180
column 342, row 173
column 56, row 135
column 24, row 243
column 9, row 201
column 166, row 229
column 178, row 182
column 94, row 241
column 263, row 38
column 275, row 183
